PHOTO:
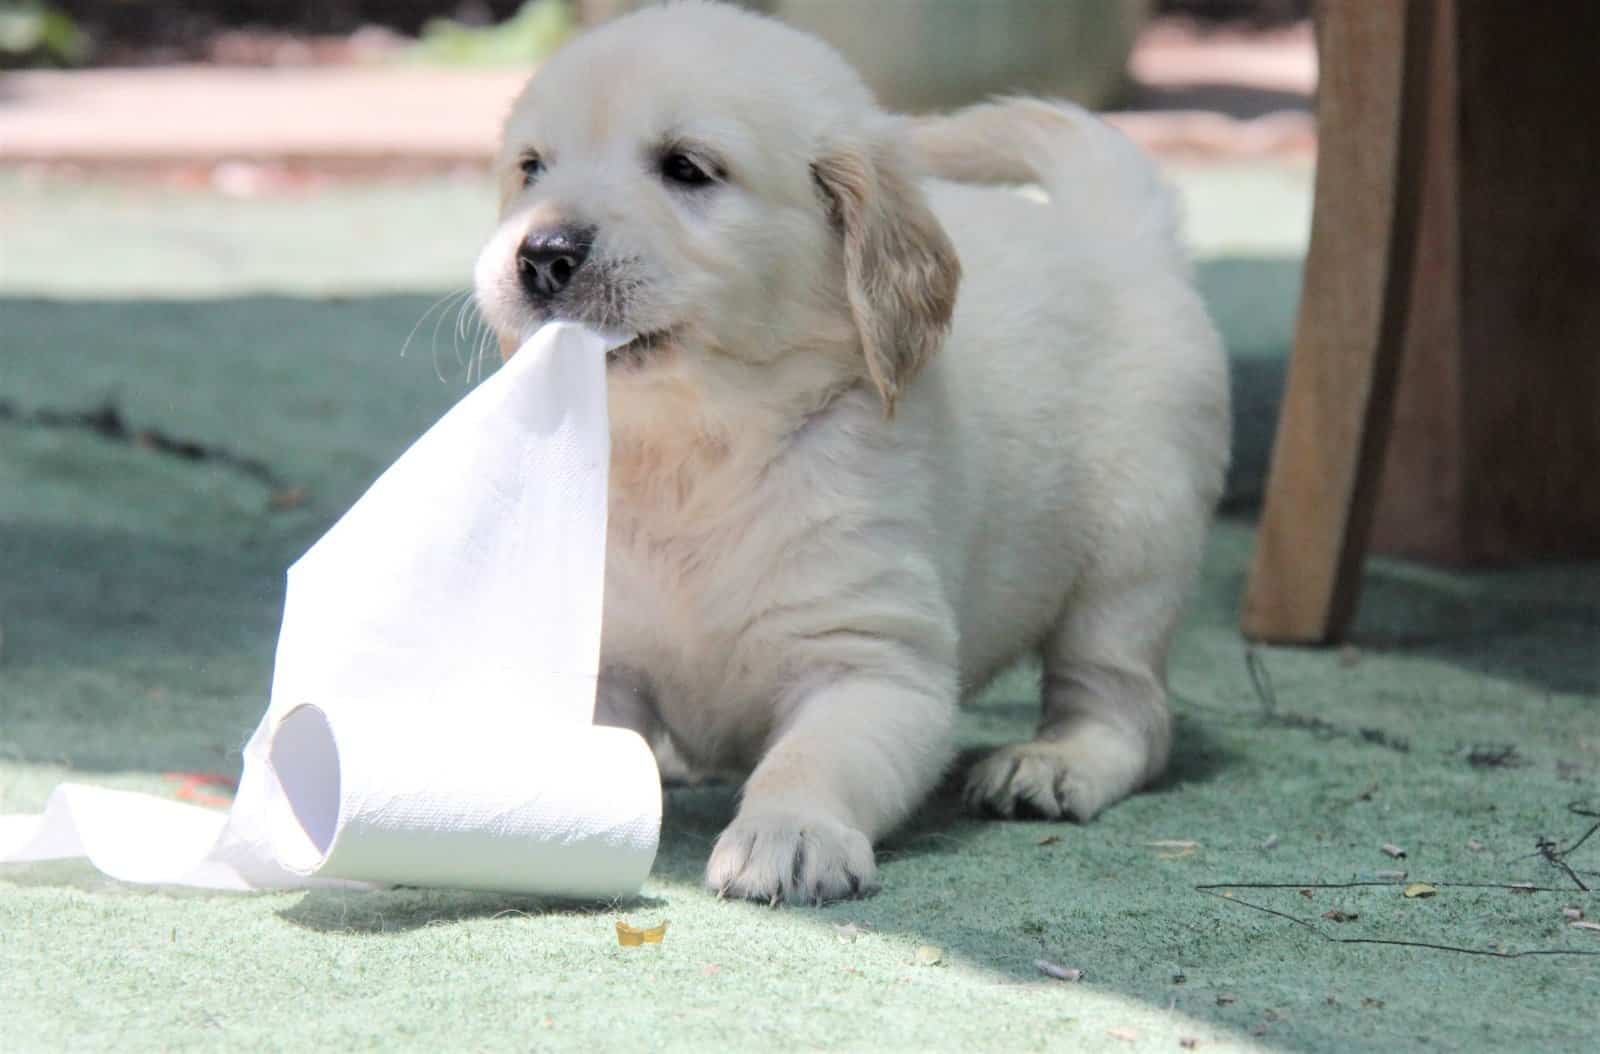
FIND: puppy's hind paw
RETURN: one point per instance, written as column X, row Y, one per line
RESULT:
column 1049, row 778
column 791, row 857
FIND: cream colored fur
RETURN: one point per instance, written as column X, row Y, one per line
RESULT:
column 801, row 585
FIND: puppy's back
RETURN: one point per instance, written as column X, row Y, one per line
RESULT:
column 1103, row 184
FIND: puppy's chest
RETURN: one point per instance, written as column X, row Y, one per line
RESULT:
column 716, row 582
column 683, row 612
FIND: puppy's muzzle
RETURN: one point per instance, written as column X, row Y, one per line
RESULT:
column 548, row 259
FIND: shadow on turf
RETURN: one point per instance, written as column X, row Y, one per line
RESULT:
column 406, row 909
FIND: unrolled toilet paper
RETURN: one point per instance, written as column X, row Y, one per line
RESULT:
column 432, row 706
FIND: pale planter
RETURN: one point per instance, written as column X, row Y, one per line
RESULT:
column 938, row 54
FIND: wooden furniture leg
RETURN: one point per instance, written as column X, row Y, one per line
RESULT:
column 1495, row 450
column 1323, row 479
column 1455, row 255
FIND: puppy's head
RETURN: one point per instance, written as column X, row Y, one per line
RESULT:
column 724, row 190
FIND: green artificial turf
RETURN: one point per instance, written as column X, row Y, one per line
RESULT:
column 139, row 599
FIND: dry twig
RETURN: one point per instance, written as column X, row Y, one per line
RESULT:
column 1222, row 891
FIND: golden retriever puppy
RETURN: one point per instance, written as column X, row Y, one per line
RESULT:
column 877, row 433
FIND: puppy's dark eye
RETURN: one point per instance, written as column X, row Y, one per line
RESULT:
column 532, row 168
column 685, row 171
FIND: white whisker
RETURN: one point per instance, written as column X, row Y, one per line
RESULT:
column 433, row 343
column 406, row 344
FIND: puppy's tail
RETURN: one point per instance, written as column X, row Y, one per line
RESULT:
column 1090, row 170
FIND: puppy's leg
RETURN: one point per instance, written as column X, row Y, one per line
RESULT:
column 1105, row 729
column 854, row 757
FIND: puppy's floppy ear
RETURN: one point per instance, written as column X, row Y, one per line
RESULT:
column 901, row 272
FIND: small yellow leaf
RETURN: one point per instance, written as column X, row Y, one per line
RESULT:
column 1419, row 889
column 930, row 955
column 633, row 936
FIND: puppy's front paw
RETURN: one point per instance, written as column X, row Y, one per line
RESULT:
column 791, row 856
column 1051, row 778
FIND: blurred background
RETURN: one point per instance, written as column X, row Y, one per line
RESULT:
column 294, row 32
column 191, row 67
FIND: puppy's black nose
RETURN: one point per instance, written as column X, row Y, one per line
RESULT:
column 547, row 259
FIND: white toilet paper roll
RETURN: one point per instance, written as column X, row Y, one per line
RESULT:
column 558, row 811
column 431, row 719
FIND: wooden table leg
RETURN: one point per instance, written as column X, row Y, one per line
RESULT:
column 1495, row 450
column 1323, row 480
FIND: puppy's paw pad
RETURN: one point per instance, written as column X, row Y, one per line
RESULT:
column 1036, row 778
column 791, row 857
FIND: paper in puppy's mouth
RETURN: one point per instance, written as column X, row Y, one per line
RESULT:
column 640, row 351
column 629, row 349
